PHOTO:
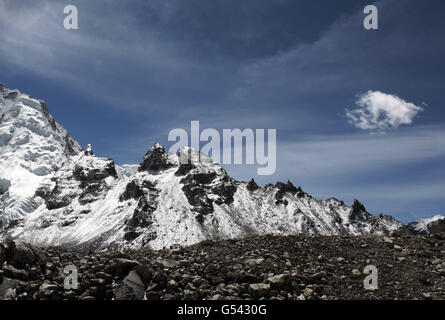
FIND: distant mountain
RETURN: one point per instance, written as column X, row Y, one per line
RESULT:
column 420, row 227
column 55, row 193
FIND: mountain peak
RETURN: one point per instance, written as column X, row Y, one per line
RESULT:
column 155, row 159
column 32, row 145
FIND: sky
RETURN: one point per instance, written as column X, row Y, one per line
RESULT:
column 359, row 113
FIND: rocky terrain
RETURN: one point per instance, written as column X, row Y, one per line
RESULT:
column 265, row 267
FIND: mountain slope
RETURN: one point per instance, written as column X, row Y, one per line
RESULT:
column 89, row 202
column 420, row 227
column 31, row 145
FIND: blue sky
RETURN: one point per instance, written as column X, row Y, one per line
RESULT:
column 137, row 69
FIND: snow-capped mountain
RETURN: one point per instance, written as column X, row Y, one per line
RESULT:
column 31, row 145
column 420, row 227
column 55, row 193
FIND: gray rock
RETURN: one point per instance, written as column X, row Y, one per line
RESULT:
column 3, row 254
column 253, row 262
column 48, row 289
column 7, row 289
column 23, row 254
column 190, row 295
column 280, row 281
column 144, row 272
column 259, row 289
column 436, row 227
column 14, row 273
column 122, row 265
column 131, row 288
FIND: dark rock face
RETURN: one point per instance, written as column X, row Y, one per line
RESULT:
column 48, row 116
column 357, row 209
column 82, row 173
column 155, row 159
column 252, row 186
column 142, row 217
column 184, row 169
column 54, row 198
column 10, row 94
column 69, row 145
column 284, row 188
column 200, row 188
column 85, row 182
column 5, row 184
column 91, row 191
column 132, row 191
column 436, row 227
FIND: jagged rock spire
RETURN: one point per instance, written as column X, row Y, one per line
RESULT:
column 155, row 159
column 252, row 186
column 89, row 150
column 357, row 208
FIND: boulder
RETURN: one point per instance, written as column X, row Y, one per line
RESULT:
column 22, row 254
column 14, row 273
column 3, row 255
column 7, row 289
column 123, row 266
column 131, row 288
column 280, row 281
column 436, row 227
column 259, row 289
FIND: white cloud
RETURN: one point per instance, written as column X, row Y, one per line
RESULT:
column 380, row 111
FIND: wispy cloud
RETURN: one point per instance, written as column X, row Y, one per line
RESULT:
column 381, row 111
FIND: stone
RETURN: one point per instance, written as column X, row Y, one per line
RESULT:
column 259, row 289
column 123, row 265
column 356, row 273
column 153, row 295
column 190, row 295
column 3, row 254
column 144, row 272
column 7, row 289
column 48, row 289
column 22, row 255
column 253, row 262
column 131, row 288
column 14, row 273
column 436, row 227
column 308, row 292
column 280, row 281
